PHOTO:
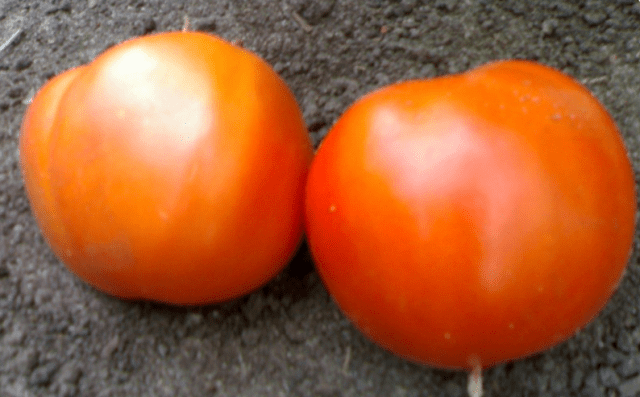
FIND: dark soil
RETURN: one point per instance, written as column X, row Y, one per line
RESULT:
column 59, row 337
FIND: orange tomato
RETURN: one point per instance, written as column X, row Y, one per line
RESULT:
column 472, row 219
column 171, row 168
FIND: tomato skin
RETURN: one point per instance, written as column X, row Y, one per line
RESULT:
column 472, row 219
column 171, row 168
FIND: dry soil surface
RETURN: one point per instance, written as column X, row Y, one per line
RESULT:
column 59, row 337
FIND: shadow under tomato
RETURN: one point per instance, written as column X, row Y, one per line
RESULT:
column 297, row 281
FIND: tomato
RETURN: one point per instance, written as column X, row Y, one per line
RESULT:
column 472, row 219
column 171, row 168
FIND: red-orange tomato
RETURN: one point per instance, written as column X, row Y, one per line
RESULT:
column 171, row 168
column 472, row 219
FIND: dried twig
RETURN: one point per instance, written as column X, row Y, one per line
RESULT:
column 302, row 22
column 594, row 80
column 474, row 387
column 347, row 360
column 186, row 26
column 10, row 40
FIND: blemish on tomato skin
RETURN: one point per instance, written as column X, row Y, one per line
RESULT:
column 447, row 335
column 332, row 208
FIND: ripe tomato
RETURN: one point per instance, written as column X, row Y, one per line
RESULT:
column 171, row 168
column 472, row 219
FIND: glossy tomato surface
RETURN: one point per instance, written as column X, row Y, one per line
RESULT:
column 472, row 219
column 171, row 168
